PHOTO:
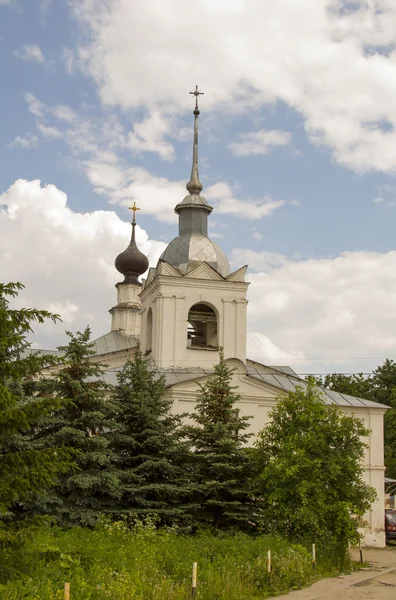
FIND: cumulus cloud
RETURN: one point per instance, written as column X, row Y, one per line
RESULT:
column 313, row 314
column 328, row 314
column 259, row 142
column 68, row 264
column 340, row 75
column 223, row 197
column 31, row 53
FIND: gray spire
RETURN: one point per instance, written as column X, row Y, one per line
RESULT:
column 194, row 186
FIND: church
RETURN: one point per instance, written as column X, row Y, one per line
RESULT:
column 189, row 306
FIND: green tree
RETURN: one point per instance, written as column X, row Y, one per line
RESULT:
column 309, row 460
column 25, row 471
column 380, row 386
column 355, row 384
column 84, row 423
column 221, row 463
column 151, row 456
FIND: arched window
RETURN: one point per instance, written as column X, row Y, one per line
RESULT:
column 149, row 330
column 202, row 327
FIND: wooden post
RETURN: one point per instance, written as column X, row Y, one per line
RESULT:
column 313, row 556
column 67, row 591
column 269, row 566
column 361, row 553
column 194, row 580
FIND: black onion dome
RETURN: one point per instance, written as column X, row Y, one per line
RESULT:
column 132, row 263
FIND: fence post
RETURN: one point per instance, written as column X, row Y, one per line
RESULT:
column 194, row 580
column 313, row 556
column 67, row 591
column 269, row 566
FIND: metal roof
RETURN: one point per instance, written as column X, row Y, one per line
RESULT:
column 276, row 377
column 113, row 342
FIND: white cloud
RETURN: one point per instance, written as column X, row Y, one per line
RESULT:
column 64, row 113
column 316, row 314
column 36, row 107
column 26, row 141
column 223, row 198
column 48, row 132
column 68, row 265
column 148, row 136
column 259, row 142
column 328, row 314
column 31, row 53
column 340, row 75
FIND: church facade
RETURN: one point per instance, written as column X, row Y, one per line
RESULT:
column 189, row 306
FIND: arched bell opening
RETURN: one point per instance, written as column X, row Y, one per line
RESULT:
column 202, row 327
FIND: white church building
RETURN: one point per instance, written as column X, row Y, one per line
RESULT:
column 188, row 307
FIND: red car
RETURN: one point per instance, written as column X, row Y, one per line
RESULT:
column 390, row 524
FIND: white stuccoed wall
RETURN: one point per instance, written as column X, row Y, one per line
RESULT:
column 125, row 316
column 170, row 299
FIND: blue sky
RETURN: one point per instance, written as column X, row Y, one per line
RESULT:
column 296, row 154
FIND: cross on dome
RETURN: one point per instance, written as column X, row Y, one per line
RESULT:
column 134, row 208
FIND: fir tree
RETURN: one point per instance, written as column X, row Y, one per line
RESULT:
column 151, row 456
column 25, row 470
column 84, row 423
column 220, row 460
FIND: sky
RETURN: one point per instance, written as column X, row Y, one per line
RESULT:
column 297, row 156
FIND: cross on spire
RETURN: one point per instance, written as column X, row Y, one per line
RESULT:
column 134, row 208
column 196, row 93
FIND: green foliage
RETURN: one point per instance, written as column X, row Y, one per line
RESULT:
column 144, row 563
column 309, row 460
column 151, row 457
column 355, row 384
column 220, row 461
column 380, row 387
column 24, row 469
column 84, row 423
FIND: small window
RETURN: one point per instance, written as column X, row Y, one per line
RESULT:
column 202, row 327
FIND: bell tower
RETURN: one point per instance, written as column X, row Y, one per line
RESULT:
column 192, row 305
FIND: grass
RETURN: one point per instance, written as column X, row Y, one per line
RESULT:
column 112, row 562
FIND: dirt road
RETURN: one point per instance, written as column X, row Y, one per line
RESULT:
column 382, row 586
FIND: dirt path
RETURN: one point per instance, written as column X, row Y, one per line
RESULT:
column 354, row 587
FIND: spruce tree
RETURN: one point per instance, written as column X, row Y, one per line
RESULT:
column 85, row 424
column 151, row 455
column 220, row 460
column 25, row 470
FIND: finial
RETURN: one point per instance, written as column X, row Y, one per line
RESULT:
column 134, row 208
column 194, row 186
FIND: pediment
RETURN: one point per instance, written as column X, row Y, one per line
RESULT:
column 164, row 268
column 250, row 390
column 204, row 271
column 238, row 276
column 150, row 277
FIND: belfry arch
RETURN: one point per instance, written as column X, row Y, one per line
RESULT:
column 202, row 328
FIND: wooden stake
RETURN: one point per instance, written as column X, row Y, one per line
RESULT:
column 313, row 556
column 194, row 580
column 361, row 553
column 269, row 566
column 67, row 591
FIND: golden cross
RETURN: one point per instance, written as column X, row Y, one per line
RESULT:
column 196, row 93
column 134, row 208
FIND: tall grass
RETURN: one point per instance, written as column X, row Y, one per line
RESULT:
column 145, row 564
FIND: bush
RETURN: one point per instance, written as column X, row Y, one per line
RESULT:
column 144, row 563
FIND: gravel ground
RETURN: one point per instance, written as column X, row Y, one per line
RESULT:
column 350, row 587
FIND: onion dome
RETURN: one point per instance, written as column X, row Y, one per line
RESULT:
column 131, row 263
